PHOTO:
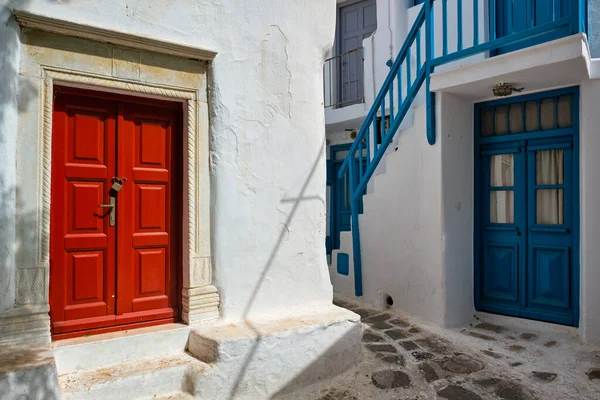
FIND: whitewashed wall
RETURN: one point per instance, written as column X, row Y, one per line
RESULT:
column 590, row 215
column 267, row 150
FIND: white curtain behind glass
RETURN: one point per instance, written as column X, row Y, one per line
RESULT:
column 502, row 202
column 549, row 171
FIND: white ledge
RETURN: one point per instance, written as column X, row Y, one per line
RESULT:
column 557, row 63
column 33, row 21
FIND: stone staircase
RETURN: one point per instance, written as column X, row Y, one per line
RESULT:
column 147, row 363
column 245, row 359
column 145, row 378
column 375, row 198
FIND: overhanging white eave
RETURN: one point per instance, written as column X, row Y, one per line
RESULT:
column 558, row 63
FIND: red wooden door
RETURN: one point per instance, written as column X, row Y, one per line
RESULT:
column 107, row 277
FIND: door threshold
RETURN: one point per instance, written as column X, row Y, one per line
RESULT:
column 118, row 330
column 514, row 322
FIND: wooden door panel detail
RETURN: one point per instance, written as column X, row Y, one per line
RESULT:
column 549, row 277
column 104, row 276
column 84, row 214
column 87, row 142
column 500, row 272
column 152, row 140
column 85, row 276
column 151, row 200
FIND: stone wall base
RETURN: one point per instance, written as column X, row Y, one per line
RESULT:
column 25, row 325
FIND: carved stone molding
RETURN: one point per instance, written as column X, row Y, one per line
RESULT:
column 200, row 298
column 63, row 27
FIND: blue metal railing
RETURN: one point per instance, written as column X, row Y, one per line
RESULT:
column 414, row 65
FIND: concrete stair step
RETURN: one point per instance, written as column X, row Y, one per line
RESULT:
column 170, row 396
column 95, row 351
column 136, row 379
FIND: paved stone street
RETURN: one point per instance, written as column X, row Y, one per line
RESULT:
column 405, row 360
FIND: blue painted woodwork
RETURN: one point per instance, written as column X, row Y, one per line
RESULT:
column 340, row 197
column 519, row 16
column 402, row 84
column 343, row 264
column 525, row 268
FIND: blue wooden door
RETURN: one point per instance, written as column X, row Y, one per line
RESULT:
column 527, row 196
column 515, row 16
column 340, row 196
column 550, row 234
column 503, row 193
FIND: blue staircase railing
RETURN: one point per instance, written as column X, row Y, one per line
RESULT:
column 414, row 64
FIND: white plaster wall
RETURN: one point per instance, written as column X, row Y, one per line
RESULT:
column 455, row 134
column 401, row 229
column 590, row 217
column 379, row 48
column 267, row 135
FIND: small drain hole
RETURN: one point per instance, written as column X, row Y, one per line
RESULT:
column 388, row 300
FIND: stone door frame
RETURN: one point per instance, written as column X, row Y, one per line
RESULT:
column 200, row 299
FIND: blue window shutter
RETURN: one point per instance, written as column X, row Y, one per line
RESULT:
column 328, row 163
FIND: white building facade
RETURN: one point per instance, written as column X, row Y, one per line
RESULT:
column 479, row 202
column 163, row 203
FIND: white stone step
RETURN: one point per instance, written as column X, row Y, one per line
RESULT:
column 268, row 357
column 91, row 352
column 145, row 378
column 171, row 396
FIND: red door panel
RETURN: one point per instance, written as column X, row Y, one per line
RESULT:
column 101, row 275
column 147, row 260
column 82, row 267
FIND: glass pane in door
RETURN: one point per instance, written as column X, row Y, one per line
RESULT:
column 550, row 206
column 549, row 167
column 502, row 170
column 549, row 171
column 502, row 207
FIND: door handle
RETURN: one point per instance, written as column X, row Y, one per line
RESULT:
column 112, row 206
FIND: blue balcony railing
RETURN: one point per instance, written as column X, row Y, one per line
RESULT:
column 462, row 33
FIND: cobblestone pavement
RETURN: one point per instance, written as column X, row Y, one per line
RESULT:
column 402, row 359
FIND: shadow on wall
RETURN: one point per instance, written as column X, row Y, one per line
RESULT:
column 282, row 235
column 15, row 95
column 25, row 374
column 35, row 378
